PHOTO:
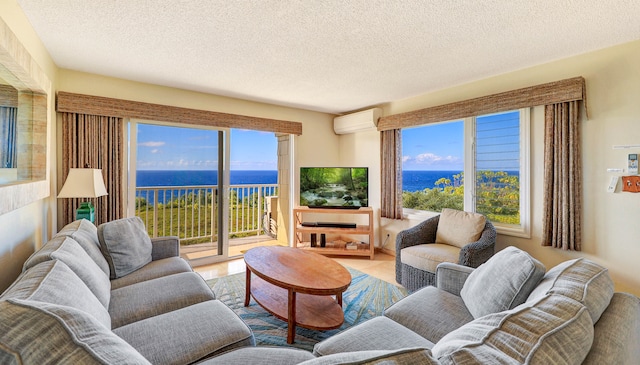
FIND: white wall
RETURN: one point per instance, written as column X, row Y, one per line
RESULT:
column 362, row 149
column 611, row 228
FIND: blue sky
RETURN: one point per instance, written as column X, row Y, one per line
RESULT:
column 173, row 148
column 440, row 146
column 434, row 147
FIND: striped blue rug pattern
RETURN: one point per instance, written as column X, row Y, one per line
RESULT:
column 366, row 297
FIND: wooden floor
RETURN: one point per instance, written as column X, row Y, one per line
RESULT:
column 382, row 267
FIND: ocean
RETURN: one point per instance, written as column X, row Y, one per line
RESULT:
column 411, row 180
column 153, row 178
column 420, row 180
column 149, row 178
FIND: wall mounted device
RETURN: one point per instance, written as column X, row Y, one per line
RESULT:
column 366, row 120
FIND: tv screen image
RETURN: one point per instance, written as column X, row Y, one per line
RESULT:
column 334, row 187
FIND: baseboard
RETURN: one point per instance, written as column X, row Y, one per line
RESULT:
column 386, row 251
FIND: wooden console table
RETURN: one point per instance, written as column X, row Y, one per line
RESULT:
column 359, row 230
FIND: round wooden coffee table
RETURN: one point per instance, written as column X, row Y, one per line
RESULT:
column 297, row 286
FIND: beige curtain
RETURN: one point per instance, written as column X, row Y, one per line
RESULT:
column 391, row 174
column 562, row 177
column 96, row 141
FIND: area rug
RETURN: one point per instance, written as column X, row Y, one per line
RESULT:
column 366, row 297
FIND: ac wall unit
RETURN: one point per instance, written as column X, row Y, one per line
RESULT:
column 366, row 120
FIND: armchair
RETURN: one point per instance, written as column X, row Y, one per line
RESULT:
column 468, row 239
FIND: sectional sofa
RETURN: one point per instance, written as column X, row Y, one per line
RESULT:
column 89, row 297
column 113, row 296
column 507, row 311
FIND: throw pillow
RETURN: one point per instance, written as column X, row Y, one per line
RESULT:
column 503, row 282
column 86, row 234
column 581, row 280
column 67, row 250
column 125, row 244
column 54, row 282
column 458, row 228
column 43, row 333
column 553, row 330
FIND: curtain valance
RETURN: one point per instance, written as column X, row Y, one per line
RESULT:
column 544, row 94
column 97, row 105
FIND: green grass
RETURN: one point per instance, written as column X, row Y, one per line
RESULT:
column 195, row 220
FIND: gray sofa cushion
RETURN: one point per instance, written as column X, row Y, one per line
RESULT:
column 153, row 297
column 502, row 283
column 260, row 355
column 53, row 282
column 581, row 280
column 189, row 334
column 430, row 312
column 406, row 356
column 617, row 333
column 67, row 250
column 86, row 234
column 553, row 330
column 69, row 336
column 125, row 244
column 153, row 270
column 379, row 333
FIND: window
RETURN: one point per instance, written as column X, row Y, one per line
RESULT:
column 475, row 164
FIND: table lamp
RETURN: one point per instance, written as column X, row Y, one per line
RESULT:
column 84, row 183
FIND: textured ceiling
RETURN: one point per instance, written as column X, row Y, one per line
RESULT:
column 325, row 55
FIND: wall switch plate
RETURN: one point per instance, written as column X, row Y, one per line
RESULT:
column 613, row 184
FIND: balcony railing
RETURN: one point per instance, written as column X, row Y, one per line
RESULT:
column 191, row 212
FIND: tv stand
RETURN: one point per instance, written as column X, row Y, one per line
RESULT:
column 345, row 231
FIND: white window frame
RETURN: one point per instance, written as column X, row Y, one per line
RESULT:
column 518, row 230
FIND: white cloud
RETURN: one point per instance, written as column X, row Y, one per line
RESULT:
column 155, row 150
column 152, row 144
column 433, row 159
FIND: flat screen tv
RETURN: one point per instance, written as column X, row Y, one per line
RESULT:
column 334, row 187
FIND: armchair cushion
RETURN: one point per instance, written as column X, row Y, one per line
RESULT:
column 458, row 228
column 125, row 244
column 427, row 256
column 502, row 283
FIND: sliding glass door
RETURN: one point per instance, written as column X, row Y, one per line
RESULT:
column 176, row 185
column 216, row 190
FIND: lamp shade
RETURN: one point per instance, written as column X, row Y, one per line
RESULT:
column 83, row 183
